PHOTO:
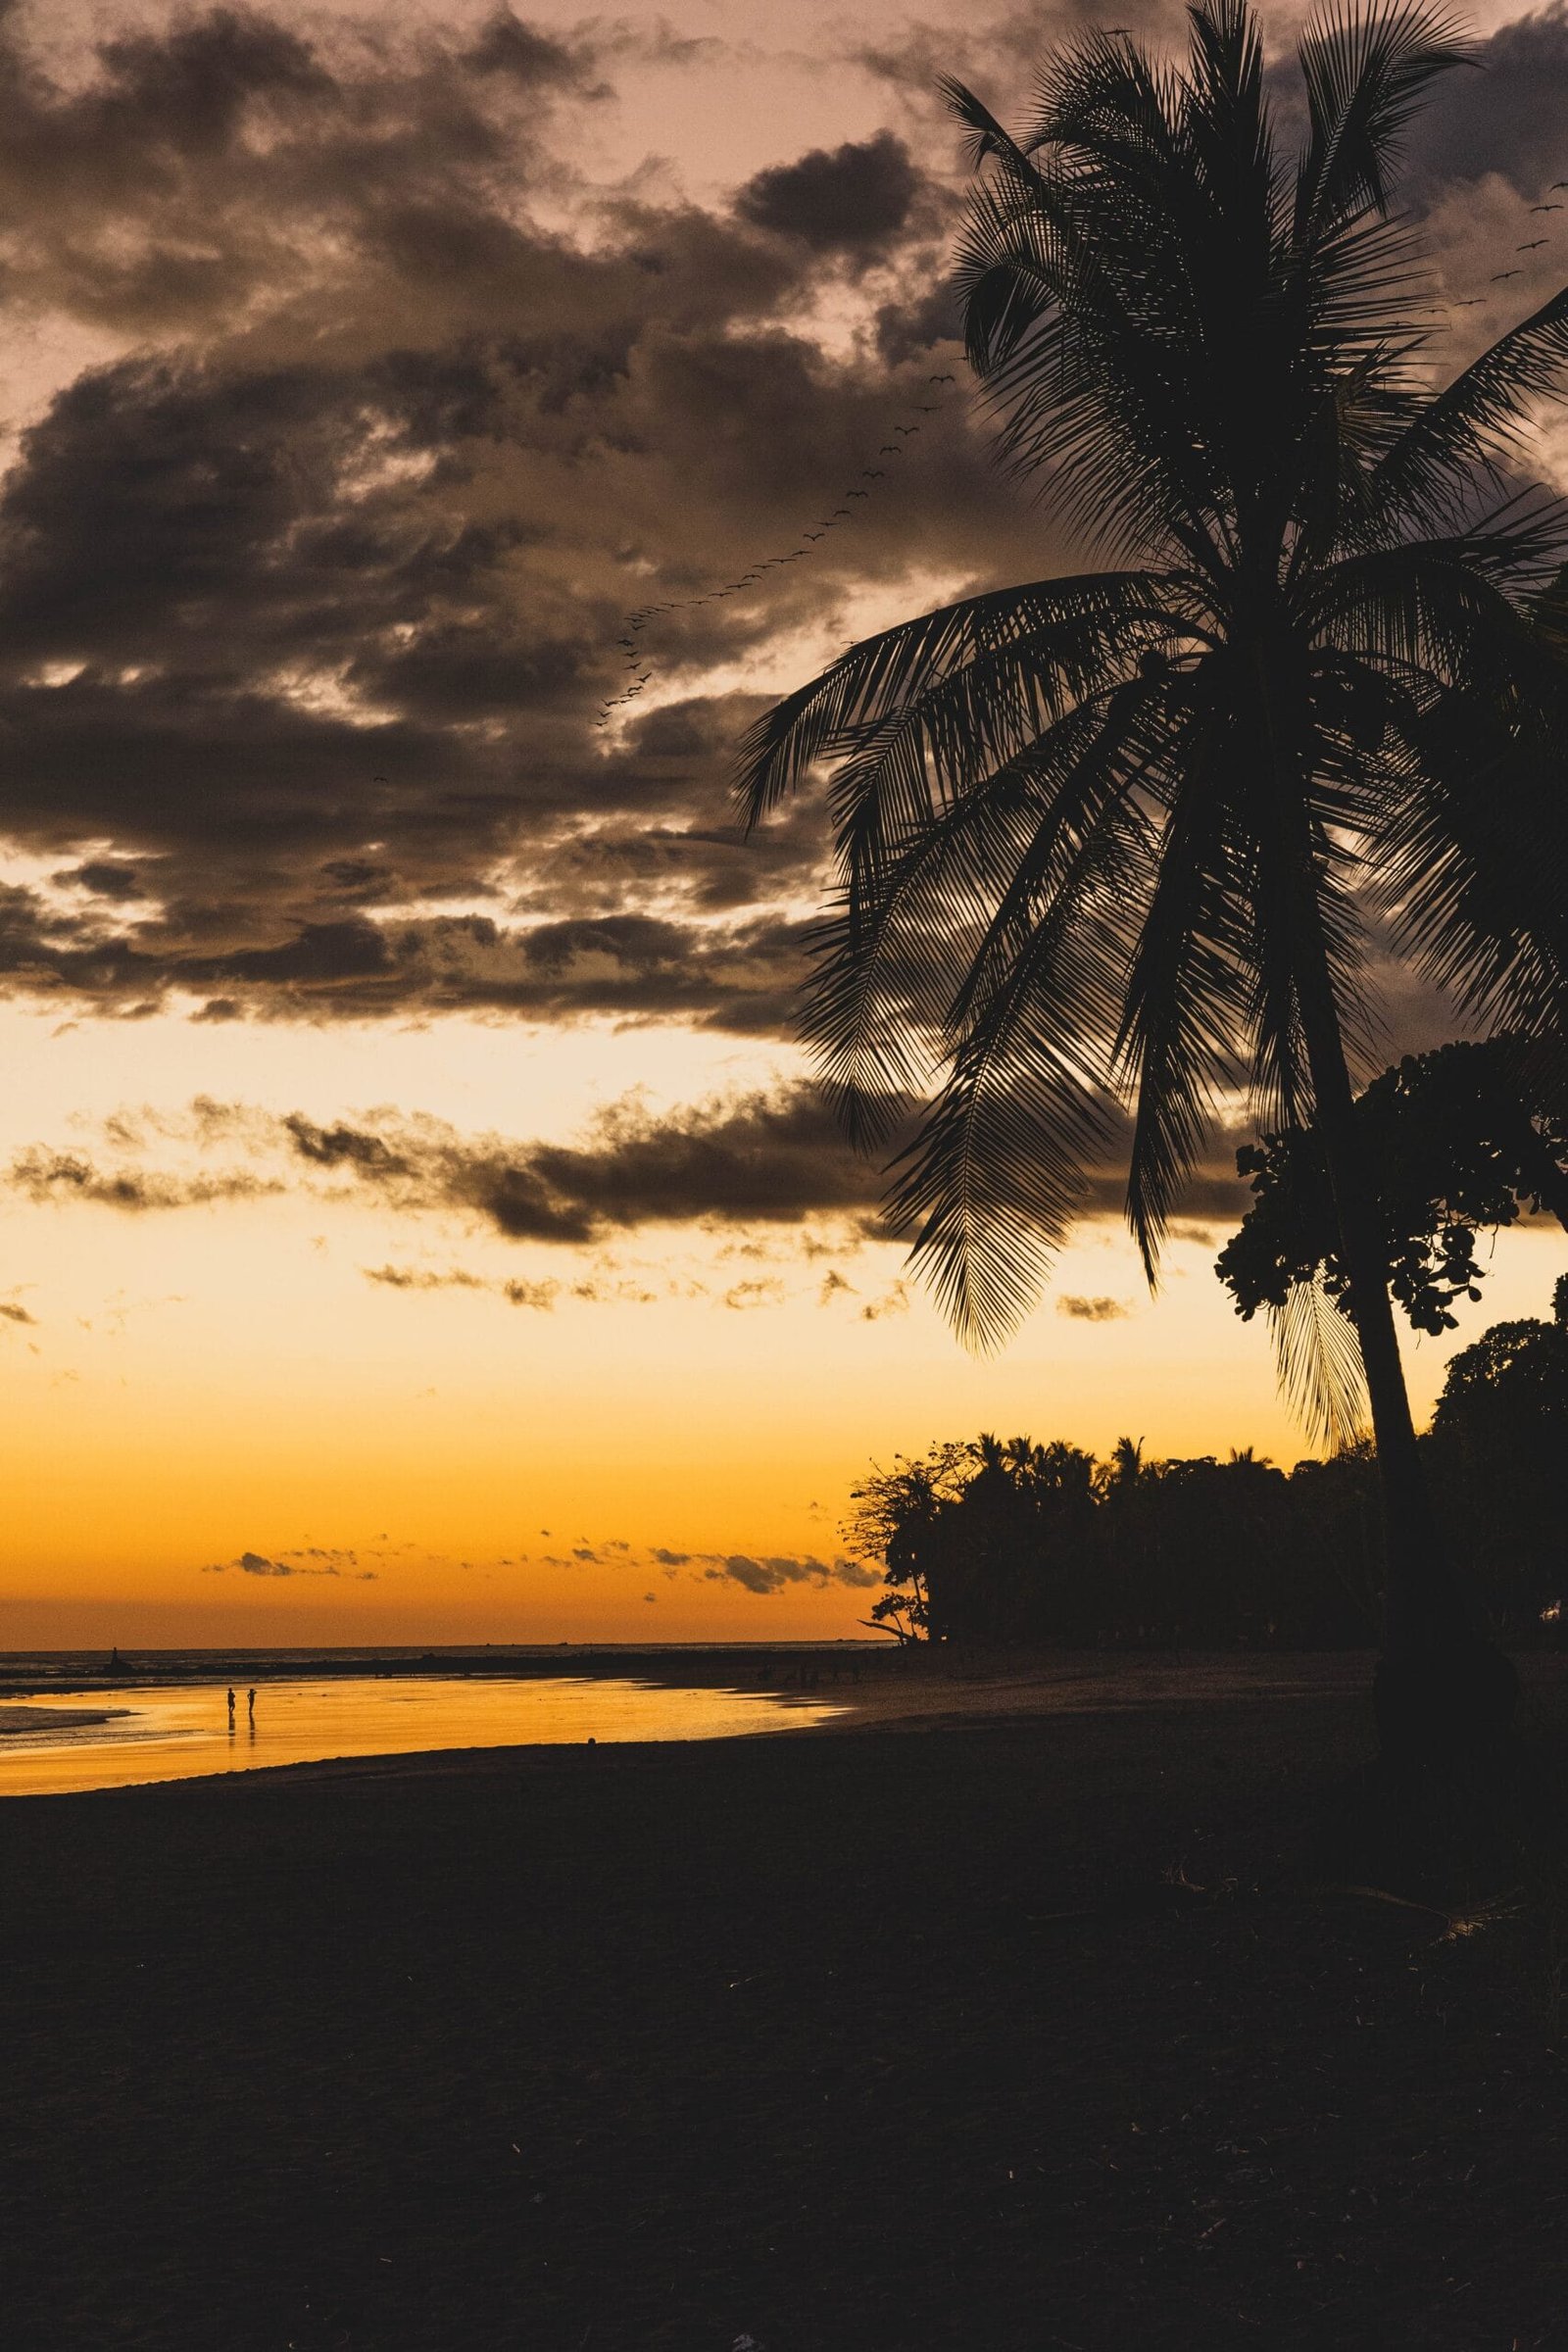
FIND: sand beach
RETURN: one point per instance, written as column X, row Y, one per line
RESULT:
column 965, row 2020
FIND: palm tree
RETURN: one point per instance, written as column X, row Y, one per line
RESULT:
column 1112, row 845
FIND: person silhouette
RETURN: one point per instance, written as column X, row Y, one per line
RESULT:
column 231, row 1710
column 250, row 1704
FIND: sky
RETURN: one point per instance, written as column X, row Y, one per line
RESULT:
column 417, row 1223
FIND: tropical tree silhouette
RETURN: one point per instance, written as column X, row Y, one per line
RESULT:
column 1110, row 844
column 1460, row 1142
column 1499, row 1440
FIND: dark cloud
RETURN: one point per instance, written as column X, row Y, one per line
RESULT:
column 536, row 59
column 1505, row 115
column 1091, row 1310
column 855, row 197
column 309, row 602
column 743, row 976
column 106, row 878
column 541, row 1295
column 743, row 1295
column 11, row 1312
column 856, row 1574
column 771, row 1573
column 311, row 592
column 313, row 1563
column 421, row 1278
column 756, row 1160
column 763, row 1158
column 40, row 1175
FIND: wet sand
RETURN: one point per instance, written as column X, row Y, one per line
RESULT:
column 1003, row 2032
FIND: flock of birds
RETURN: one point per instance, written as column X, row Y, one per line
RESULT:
column 634, row 654
column 1531, row 245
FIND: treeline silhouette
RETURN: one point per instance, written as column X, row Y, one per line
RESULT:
column 1010, row 1542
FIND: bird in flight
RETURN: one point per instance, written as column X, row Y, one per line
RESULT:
column 906, row 429
column 858, row 494
column 889, row 449
column 872, row 473
column 1546, row 208
column 1559, row 183
column 1471, row 302
column 1534, row 243
column 943, row 379
column 1498, row 276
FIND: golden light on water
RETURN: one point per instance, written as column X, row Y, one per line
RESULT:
column 175, row 1731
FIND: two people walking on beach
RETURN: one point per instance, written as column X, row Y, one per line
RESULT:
column 250, row 1708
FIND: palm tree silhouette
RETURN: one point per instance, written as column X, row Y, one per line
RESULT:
column 1110, row 845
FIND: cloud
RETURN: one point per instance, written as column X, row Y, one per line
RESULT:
column 736, row 1162
column 424, row 1278
column 772, row 1571
column 11, row 1312
column 857, row 1573
column 741, row 1297
column 351, row 515
column 763, row 1157
column 313, row 583
column 1093, row 1310
column 541, row 1295
column 533, row 59
column 41, row 1175
column 316, row 1563
column 1503, row 117
column 857, row 197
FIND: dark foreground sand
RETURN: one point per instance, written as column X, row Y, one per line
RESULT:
column 870, row 2041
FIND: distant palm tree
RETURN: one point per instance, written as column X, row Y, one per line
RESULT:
column 1111, row 844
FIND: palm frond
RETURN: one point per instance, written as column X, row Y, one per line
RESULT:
column 1318, row 1359
column 1367, row 71
column 1452, row 450
column 909, row 944
column 1473, row 864
column 884, row 675
column 1182, row 1036
column 999, row 1166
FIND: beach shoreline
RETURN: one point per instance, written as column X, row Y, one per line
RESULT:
column 896, row 1692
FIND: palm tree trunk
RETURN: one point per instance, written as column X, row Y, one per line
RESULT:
column 1440, row 1683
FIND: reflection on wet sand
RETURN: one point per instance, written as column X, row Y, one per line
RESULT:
column 71, row 1740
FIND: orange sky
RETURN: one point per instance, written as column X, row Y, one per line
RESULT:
column 205, row 1383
